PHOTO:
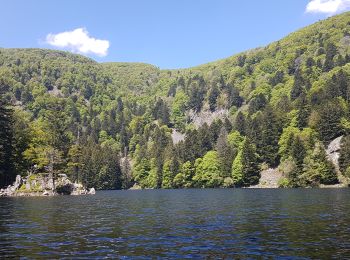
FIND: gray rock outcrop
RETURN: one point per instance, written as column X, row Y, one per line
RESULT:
column 42, row 185
column 333, row 151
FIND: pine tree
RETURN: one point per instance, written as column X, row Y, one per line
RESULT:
column 245, row 168
column 167, row 181
column 141, row 171
column 7, row 171
column 126, row 172
column 270, row 133
column 344, row 158
column 213, row 95
column 298, row 153
column 331, row 51
column 318, row 169
column 303, row 111
column 343, row 85
column 74, row 164
column 240, row 123
column 257, row 103
column 332, row 89
column 328, row 120
column 153, row 178
column 298, row 86
column 225, row 153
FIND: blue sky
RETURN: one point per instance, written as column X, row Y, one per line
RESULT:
column 166, row 33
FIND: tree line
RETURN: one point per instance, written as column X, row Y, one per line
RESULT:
column 110, row 126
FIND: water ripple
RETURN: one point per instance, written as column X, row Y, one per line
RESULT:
column 179, row 224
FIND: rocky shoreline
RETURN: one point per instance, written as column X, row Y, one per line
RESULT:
column 42, row 185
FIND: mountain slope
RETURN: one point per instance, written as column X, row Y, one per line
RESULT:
column 280, row 105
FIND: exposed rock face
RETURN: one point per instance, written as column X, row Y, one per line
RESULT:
column 135, row 187
column 41, row 185
column 333, row 151
column 206, row 116
column 269, row 179
column 177, row 136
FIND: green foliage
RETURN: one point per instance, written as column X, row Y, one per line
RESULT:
column 245, row 168
column 327, row 120
column 62, row 112
column 208, row 171
column 7, row 167
column 317, row 169
column 267, row 144
column 141, row 171
column 235, row 140
column 226, row 152
column 344, row 158
column 286, row 140
column 178, row 109
column 152, row 178
column 184, row 178
column 283, row 183
column 168, row 177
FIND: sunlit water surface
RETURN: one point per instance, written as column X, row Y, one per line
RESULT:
column 218, row 223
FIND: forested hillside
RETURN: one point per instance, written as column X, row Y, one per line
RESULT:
column 112, row 125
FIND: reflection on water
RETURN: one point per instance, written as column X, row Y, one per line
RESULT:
column 179, row 223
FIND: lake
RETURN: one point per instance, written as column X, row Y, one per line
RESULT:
column 194, row 223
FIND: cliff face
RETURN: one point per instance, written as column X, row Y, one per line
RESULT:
column 333, row 151
column 41, row 185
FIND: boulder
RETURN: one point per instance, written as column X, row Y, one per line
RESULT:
column 18, row 182
column 135, row 187
column 42, row 185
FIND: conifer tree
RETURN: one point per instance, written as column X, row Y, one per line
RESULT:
column 344, row 158
column 240, row 123
column 225, row 153
column 167, row 181
column 298, row 86
column 318, row 169
column 7, row 173
column 298, row 153
column 303, row 111
column 245, row 168
column 270, row 133
column 331, row 51
column 213, row 95
column 328, row 124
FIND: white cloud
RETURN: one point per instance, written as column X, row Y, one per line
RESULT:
column 327, row 6
column 79, row 41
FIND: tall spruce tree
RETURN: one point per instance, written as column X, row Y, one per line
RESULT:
column 331, row 51
column 245, row 168
column 225, row 153
column 344, row 158
column 298, row 153
column 240, row 123
column 270, row 133
column 328, row 120
column 7, row 171
column 298, row 86
column 317, row 168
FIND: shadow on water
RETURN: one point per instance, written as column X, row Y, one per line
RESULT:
column 179, row 223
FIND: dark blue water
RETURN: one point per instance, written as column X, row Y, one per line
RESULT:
column 310, row 223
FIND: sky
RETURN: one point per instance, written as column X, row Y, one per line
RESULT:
column 167, row 33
